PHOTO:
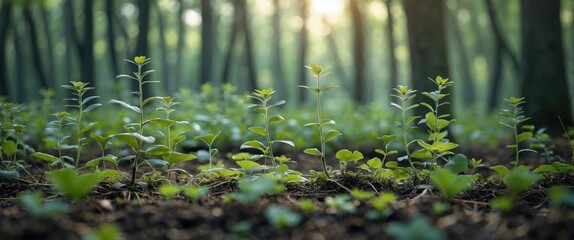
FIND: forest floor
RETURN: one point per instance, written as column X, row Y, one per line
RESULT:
column 146, row 215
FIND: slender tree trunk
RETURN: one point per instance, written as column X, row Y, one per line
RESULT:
column 166, row 81
column 499, row 36
column 467, row 81
column 426, row 29
column 142, row 45
column 302, row 58
column 180, row 46
column 332, row 46
column 49, row 42
column 36, row 55
column 207, row 43
column 544, row 82
column 111, row 38
column 21, row 76
column 391, row 45
column 231, row 43
column 5, row 14
column 88, row 74
column 360, row 94
column 278, row 72
column 71, row 38
column 251, row 68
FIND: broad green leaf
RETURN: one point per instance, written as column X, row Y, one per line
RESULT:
column 457, row 164
column 208, row 138
column 523, row 136
column 290, row 143
column 9, row 174
column 87, row 128
column 375, row 163
column 545, row 169
column 169, row 191
column 149, row 99
column 102, row 141
column 223, row 172
column 259, row 130
column 331, row 134
column 348, row 156
column 72, row 185
column 157, row 163
column 175, row 157
column 328, row 122
column 313, row 151
column 501, row 170
column 253, row 144
column 327, row 88
column 157, row 150
column 387, row 139
column 451, row 184
column 392, row 164
column 123, row 104
column 161, row 122
column 276, row 118
column 46, row 157
column 9, row 147
column 133, row 139
column 91, row 107
column 86, row 100
column 521, row 179
column 108, row 158
column 421, row 154
column 247, row 164
column 312, row 89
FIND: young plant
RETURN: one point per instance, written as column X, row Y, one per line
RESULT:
column 136, row 140
column 79, row 89
column 438, row 145
column 72, row 185
column 58, row 126
column 405, row 95
column 341, row 204
column 281, row 217
column 416, row 228
column 387, row 140
column 318, row 72
column 195, row 193
column 169, row 191
column 450, row 183
column 35, row 204
column 345, row 156
column 514, row 117
column 209, row 139
column 262, row 97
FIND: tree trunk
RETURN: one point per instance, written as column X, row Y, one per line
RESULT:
column 166, row 81
column 142, row 44
column 36, row 55
column 111, row 38
column 21, row 76
column 543, row 76
column 231, row 43
column 426, row 29
column 251, row 69
column 87, row 58
column 302, row 58
column 278, row 72
column 49, row 42
column 467, row 81
column 207, row 43
column 5, row 13
column 391, row 45
column 180, row 45
column 71, row 39
column 360, row 94
column 332, row 46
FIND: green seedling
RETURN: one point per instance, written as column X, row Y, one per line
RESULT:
column 542, row 142
column 387, row 140
column 341, row 204
column 559, row 196
column 517, row 180
column 381, row 206
column 169, row 191
column 251, row 189
column 209, row 139
column 513, row 119
column 307, row 206
column 79, row 89
column 417, row 228
column 345, row 156
column 475, row 164
column 102, row 143
column 404, row 94
column 72, row 185
column 35, row 204
column 195, row 192
column 136, row 140
column 63, row 120
column 107, row 231
column 262, row 97
column 504, row 204
column 318, row 72
column 281, row 217
column 361, row 195
column 438, row 146
column 450, row 184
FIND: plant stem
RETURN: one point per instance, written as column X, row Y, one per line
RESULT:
column 320, row 122
column 405, row 137
column 267, row 137
column 140, row 97
column 79, row 129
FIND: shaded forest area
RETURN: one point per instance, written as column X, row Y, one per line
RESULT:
column 491, row 49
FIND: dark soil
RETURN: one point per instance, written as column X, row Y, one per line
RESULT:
column 145, row 215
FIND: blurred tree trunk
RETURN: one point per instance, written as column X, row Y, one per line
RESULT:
column 391, row 45
column 467, row 81
column 71, row 38
column 302, row 58
column 142, row 45
column 36, row 55
column 236, row 25
column 543, row 77
column 21, row 77
column 166, row 81
column 427, row 42
column 87, row 58
column 332, row 46
column 360, row 94
column 278, row 72
column 111, row 38
column 248, row 41
column 5, row 13
column 180, row 45
column 49, row 42
column 207, row 43
column 501, row 46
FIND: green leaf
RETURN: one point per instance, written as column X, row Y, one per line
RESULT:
column 290, row 143
column 421, row 154
column 208, row 138
column 451, row 184
column 161, row 122
column 149, row 99
column 91, row 107
column 375, row 163
column 123, row 104
column 9, row 174
column 87, row 128
column 457, row 164
column 545, row 169
column 501, row 170
column 157, row 150
column 247, row 164
column 133, row 139
column 259, row 130
column 327, row 88
column 331, row 135
column 387, row 139
column 348, row 156
column 253, row 144
column 169, row 191
column 523, row 136
column 312, row 89
column 72, row 185
column 276, row 118
column 46, row 157
column 102, row 141
column 175, row 157
column 313, row 151
column 9, row 147
column 109, row 158
column 520, row 179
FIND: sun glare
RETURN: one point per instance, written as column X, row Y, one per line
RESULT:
column 330, row 8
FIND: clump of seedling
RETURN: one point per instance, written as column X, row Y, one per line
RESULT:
column 318, row 72
column 345, row 156
column 63, row 120
column 209, row 139
column 263, row 106
column 513, row 119
column 11, row 142
column 72, row 185
column 79, row 90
